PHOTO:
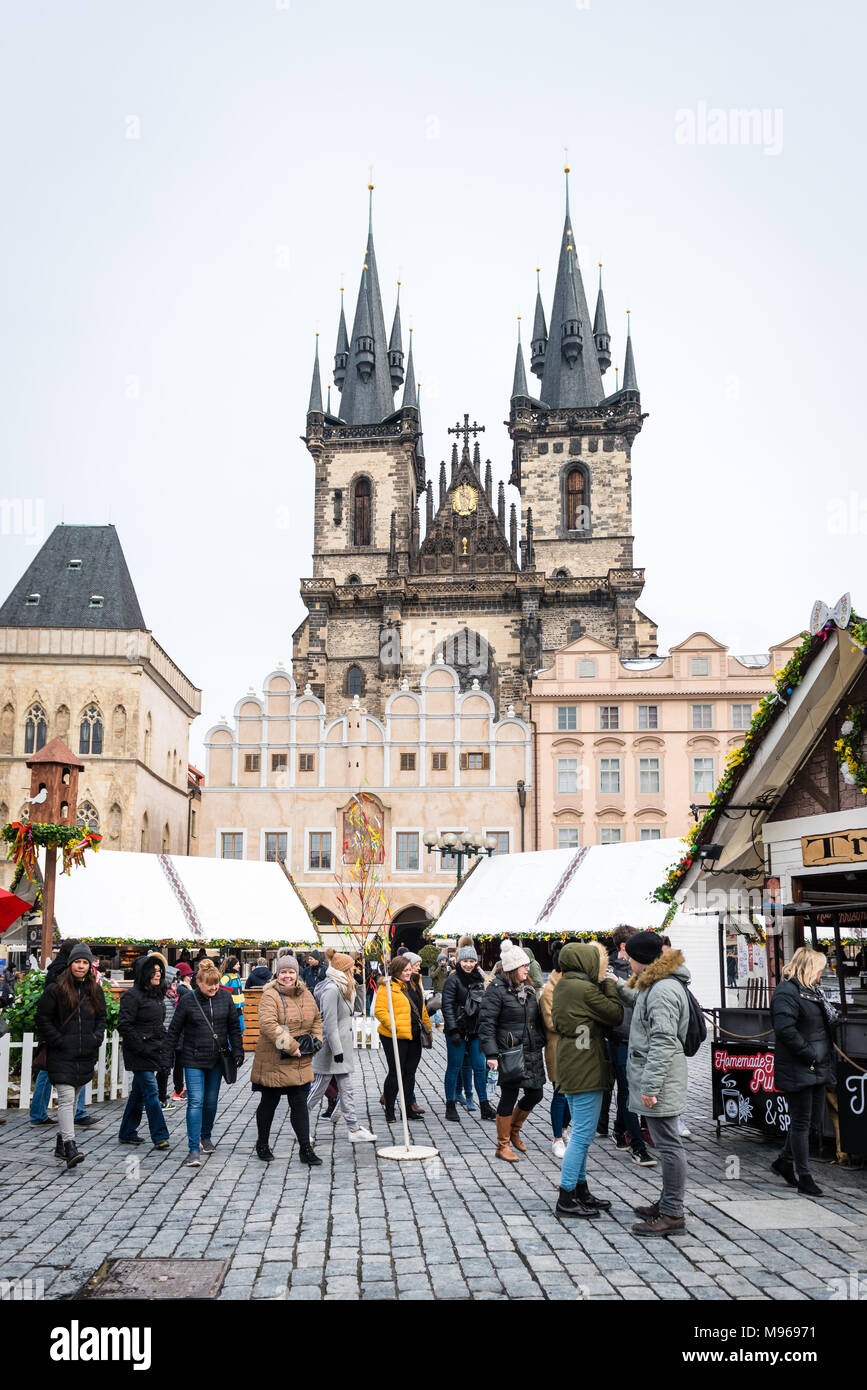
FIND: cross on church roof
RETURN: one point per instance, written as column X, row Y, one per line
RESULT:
column 466, row 429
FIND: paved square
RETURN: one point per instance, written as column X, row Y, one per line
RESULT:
column 461, row 1226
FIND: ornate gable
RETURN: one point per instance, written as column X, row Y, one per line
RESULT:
column 465, row 536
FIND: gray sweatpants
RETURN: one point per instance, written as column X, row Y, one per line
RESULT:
column 66, row 1111
column 669, row 1147
column 346, row 1101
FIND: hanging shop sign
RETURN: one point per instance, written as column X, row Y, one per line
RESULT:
column 840, row 847
column 743, row 1089
column 852, row 1107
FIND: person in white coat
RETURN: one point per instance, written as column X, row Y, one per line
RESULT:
column 335, row 1060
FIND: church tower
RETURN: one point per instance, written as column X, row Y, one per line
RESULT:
column 571, row 457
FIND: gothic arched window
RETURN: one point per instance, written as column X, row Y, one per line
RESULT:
column 87, row 816
column 354, row 681
column 35, row 729
column 361, row 513
column 576, row 501
column 90, row 731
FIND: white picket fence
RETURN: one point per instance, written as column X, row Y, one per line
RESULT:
column 365, row 1032
column 110, row 1082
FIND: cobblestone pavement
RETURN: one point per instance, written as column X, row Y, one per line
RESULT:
column 461, row 1226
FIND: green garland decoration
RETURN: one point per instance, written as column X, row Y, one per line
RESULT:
column 850, row 746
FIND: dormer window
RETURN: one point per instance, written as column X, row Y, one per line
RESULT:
column 96, row 601
column 73, row 564
column 31, row 600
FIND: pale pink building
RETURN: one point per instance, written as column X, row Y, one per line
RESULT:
column 623, row 747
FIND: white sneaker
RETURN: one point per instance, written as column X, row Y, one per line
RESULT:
column 559, row 1148
column 361, row 1136
column 682, row 1129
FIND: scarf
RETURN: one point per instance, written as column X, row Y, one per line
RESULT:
column 345, row 983
column 831, row 1013
column 524, row 990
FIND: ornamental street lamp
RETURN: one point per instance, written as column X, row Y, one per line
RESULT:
column 465, row 844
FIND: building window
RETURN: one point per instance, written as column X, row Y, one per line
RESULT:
column 576, row 502
column 96, row 601
column 31, row 601
column 648, row 775
column 35, row 729
column 567, row 776
column 648, row 716
column 73, row 564
column 742, row 716
column 306, row 762
column 361, row 513
column 702, row 716
column 406, row 847
column 439, row 762
column 574, row 630
column 568, row 837
column 231, row 845
column 567, row 716
column 354, row 681
column 610, row 835
column 586, row 669
column 699, row 666
column 702, row 775
column 407, row 762
column 475, row 762
column 502, row 841
column 276, row 845
column 87, row 816
column 319, row 842
column 609, row 716
column 90, row 732
column 650, row 833
column 609, row 775
column 251, row 762
column 279, row 762
column 448, row 861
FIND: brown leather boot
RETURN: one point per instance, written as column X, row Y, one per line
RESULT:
column 660, row 1226
column 504, row 1148
column 518, row 1118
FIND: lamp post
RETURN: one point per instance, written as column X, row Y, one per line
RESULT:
column 466, row 844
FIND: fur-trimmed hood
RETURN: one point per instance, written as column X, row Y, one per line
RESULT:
column 590, row 957
column 669, row 963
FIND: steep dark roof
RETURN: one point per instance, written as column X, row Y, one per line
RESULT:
column 65, row 593
column 581, row 383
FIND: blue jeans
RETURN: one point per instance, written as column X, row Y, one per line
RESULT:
column 559, row 1111
column 203, row 1087
column 467, row 1054
column 584, row 1109
column 144, row 1095
column 42, row 1095
column 626, row 1120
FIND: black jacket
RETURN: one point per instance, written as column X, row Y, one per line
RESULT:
column 312, row 974
column 623, row 971
column 198, row 1018
column 803, row 1035
column 456, row 990
column 506, row 1022
column 260, row 976
column 72, row 1050
column 141, row 1016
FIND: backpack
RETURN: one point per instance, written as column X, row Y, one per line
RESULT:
column 696, row 1028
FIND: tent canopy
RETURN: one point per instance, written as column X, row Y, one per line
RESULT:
column 561, row 891
column 170, row 897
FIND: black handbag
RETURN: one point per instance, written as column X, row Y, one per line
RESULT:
column 228, row 1062
column 511, row 1064
column 308, row 1046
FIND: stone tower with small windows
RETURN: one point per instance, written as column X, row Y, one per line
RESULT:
column 404, row 575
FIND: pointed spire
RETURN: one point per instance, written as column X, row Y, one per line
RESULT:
column 489, row 483
column 571, row 344
column 395, row 346
column 540, row 334
column 328, row 406
column 392, row 545
column 519, row 383
column 429, row 508
column 571, row 377
column 443, row 485
column 410, row 395
column 454, row 460
column 513, row 531
column 529, row 558
column 501, row 506
column 315, row 406
column 368, row 394
column 341, row 355
column 419, row 443
column 477, row 459
column 630, row 381
column 601, row 336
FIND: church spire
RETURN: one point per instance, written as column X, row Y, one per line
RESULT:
column 501, row 506
column 630, row 381
column 315, row 406
column 429, row 508
column 341, row 355
column 601, row 336
column 395, row 346
column 368, row 393
column 540, row 334
column 571, row 375
column 410, row 396
column 443, row 484
column 419, row 444
column 519, row 384
column 489, row 483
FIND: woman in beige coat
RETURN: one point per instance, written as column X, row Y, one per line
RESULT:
column 559, row 1104
column 290, row 1031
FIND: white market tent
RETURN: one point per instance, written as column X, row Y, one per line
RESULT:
column 171, row 897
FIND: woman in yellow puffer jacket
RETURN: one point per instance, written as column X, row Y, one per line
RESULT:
column 409, row 1023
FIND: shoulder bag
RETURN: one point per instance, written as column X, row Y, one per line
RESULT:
column 225, row 1056
column 40, row 1059
column 308, row 1046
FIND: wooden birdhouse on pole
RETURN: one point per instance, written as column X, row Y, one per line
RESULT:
column 54, row 773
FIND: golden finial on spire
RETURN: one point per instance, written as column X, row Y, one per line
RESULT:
column 370, row 177
column 566, row 165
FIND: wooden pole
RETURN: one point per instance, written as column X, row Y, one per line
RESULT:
column 48, row 902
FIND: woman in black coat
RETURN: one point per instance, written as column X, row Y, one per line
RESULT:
column 462, row 996
column 803, row 1022
column 208, row 1020
column 140, row 1024
column 70, row 1020
column 510, row 1018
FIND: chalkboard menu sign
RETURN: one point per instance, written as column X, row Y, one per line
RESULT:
column 852, row 1107
column 743, row 1088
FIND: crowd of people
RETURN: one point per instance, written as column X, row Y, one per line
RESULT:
column 611, row 1028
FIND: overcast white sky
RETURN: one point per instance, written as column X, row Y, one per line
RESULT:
column 161, row 293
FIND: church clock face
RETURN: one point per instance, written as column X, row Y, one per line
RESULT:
column 464, row 499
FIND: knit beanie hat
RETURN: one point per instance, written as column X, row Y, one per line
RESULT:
column 511, row 956
column 184, row 969
column 80, row 952
column 411, row 957
column 338, row 961
column 468, row 953
column 644, row 947
column 286, row 962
